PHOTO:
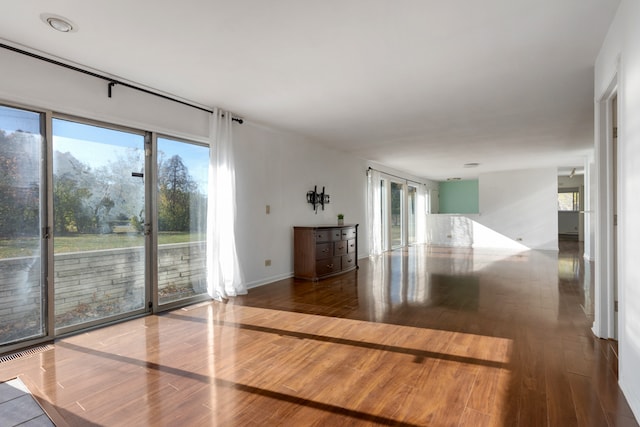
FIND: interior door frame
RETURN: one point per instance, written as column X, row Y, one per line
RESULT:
column 606, row 247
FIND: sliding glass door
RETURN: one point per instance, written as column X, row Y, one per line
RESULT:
column 182, row 169
column 99, row 223
column 22, row 285
column 412, row 219
column 401, row 219
column 384, row 214
column 397, row 215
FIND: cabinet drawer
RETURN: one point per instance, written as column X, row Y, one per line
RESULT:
column 348, row 261
column 348, row 233
column 336, row 234
column 340, row 248
column 324, row 250
column 328, row 266
column 351, row 246
column 322, row 235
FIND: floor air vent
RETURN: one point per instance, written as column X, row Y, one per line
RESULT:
column 25, row 353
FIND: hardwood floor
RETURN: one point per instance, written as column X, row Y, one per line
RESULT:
column 423, row 336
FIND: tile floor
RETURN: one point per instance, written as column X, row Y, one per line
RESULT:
column 19, row 408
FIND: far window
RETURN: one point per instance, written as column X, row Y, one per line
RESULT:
column 569, row 199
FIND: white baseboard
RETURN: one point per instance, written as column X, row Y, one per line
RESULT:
column 631, row 396
column 268, row 280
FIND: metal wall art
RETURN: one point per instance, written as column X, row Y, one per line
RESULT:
column 317, row 199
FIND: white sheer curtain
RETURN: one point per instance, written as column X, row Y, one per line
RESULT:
column 374, row 216
column 421, row 215
column 224, row 277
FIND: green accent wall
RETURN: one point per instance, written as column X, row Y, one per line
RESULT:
column 459, row 197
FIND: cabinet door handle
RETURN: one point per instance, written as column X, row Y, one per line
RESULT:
column 325, row 250
column 349, row 260
column 329, row 265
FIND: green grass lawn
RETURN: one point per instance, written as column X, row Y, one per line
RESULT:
column 19, row 247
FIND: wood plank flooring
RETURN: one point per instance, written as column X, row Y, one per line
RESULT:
column 419, row 337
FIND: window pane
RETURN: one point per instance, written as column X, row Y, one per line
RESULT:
column 98, row 203
column 182, row 219
column 21, row 287
column 569, row 201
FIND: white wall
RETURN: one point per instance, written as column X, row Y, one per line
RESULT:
column 518, row 210
column 621, row 53
column 589, row 212
column 273, row 167
column 521, row 205
column 35, row 83
column 277, row 168
column 568, row 222
column 429, row 184
column 577, row 181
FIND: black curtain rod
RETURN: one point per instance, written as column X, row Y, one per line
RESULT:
column 112, row 82
column 395, row 176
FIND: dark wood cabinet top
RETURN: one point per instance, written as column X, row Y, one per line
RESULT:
column 316, row 227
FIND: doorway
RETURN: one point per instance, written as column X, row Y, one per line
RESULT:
column 614, row 209
column 570, row 206
column 606, row 295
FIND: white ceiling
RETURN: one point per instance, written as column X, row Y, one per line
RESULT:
column 423, row 86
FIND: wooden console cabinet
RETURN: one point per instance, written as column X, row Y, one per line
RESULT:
column 324, row 251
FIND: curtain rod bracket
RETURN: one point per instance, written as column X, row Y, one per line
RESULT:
column 110, row 86
column 236, row 119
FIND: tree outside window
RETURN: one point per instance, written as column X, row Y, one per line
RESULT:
column 569, row 199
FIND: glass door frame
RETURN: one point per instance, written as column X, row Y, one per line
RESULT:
column 411, row 220
column 152, row 198
column 148, row 232
column 46, row 206
column 387, row 217
column 45, row 225
column 386, row 206
column 403, row 213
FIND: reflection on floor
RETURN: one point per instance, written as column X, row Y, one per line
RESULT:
column 421, row 336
